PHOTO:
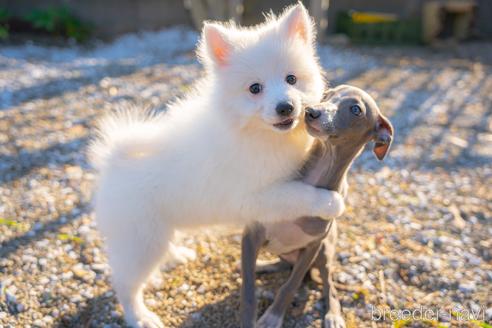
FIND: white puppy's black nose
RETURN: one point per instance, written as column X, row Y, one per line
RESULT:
column 284, row 108
column 312, row 113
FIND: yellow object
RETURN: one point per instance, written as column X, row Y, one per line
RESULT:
column 64, row 236
column 372, row 18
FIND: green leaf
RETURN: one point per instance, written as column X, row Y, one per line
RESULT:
column 4, row 33
column 481, row 324
column 10, row 223
column 4, row 15
column 401, row 323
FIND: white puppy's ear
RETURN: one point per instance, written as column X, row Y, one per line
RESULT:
column 217, row 46
column 296, row 23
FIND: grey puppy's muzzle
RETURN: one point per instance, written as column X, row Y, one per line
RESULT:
column 325, row 115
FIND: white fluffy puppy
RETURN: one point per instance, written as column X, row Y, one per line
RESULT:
column 226, row 153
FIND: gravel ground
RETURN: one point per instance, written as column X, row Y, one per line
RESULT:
column 416, row 234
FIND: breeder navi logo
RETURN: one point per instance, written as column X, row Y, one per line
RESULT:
column 427, row 314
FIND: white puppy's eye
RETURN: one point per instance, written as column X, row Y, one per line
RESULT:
column 255, row 88
column 291, row 79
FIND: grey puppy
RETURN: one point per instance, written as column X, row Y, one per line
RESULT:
column 346, row 120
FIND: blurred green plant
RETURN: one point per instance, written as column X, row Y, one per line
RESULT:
column 58, row 20
column 4, row 26
column 378, row 28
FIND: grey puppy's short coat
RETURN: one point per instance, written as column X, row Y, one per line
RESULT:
column 343, row 124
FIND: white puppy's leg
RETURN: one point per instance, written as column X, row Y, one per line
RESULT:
column 291, row 200
column 132, row 257
column 136, row 313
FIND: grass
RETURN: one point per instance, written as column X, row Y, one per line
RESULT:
column 58, row 21
column 4, row 26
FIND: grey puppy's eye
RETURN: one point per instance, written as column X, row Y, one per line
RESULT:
column 356, row 110
column 255, row 88
column 291, row 79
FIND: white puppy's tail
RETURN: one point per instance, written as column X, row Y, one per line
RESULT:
column 123, row 135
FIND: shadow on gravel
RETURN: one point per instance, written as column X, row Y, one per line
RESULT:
column 102, row 305
column 225, row 313
column 455, row 116
column 15, row 167
column 12, row 245
column 412, row 114
column 57, row 87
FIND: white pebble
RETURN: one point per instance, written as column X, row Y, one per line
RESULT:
column 488, row 313
column 183, row 288
column 76, row 299
column 67, row 275
column 201, row 289
column 151, row 302
column 48, row 319
column 467, row 287
column 196, row 316
column 44, row 280
column 84, row 230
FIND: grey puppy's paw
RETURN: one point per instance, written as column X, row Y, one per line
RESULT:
column 334, row 321
column 270, row 320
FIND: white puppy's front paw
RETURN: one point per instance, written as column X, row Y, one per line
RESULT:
column 144, row 318
column 150, row 322
column 270, row 320
column 334, row 321
column 330, row 204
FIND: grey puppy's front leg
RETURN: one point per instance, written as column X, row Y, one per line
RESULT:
column 253, row 238
column 273, row 316
column 324, row 263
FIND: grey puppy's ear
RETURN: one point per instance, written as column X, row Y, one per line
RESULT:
column 383, row 137
column 328, row 94
column 332, row 91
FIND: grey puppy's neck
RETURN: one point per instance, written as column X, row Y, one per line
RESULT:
column 328, row 166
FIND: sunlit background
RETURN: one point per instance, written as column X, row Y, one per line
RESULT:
column 418, row 228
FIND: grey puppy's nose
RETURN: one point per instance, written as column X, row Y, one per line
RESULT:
column 312, row 113
column 284, row 108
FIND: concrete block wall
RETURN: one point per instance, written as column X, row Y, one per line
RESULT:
column 114, row 17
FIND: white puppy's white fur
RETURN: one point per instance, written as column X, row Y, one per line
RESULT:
column 214, row 156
